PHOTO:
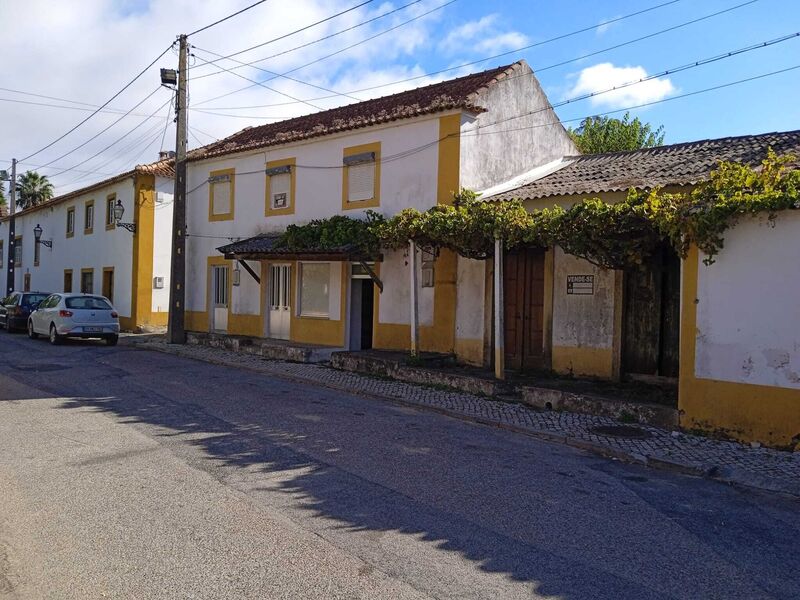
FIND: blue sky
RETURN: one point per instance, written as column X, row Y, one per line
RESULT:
column 94, row 47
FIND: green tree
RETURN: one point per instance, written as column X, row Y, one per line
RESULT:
column 3, row 179
column 33, row 189
column 605, row 134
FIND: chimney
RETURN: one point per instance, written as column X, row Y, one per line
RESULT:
column 166, row 154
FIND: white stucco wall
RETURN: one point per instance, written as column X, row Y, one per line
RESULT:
column 748, row 309
column 410, row 181
column 395, row 302
column 162, row 241
column 470, row 305
column 492, row 154
column 101, row 248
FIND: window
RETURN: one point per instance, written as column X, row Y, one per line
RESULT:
column 88, row 217
column 280, row 187
column 26, row 282
column 68, row 281
column 71, row 221
column 111, row 200
column 221, row 195
column 37, row 249
column 87, row 281
column 361, row 176
column 87, row 303
column 428, row 261
column 315, row 281
column 18, row 252
column 220, row 286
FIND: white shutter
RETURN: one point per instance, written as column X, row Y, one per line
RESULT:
column 280, row 189
column 361, row 182
column 222, row 198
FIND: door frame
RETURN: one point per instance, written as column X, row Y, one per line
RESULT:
column 216, row 262
column 544, row 261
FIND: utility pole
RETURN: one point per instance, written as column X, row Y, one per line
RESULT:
column 177, row 295
column 12, row 205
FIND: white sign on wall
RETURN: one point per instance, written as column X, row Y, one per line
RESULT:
column 580, row 285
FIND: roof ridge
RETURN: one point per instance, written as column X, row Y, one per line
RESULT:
column 683, row 144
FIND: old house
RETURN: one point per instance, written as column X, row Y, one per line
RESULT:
column 81, row 247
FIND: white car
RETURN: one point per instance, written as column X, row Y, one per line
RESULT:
column 61, row 316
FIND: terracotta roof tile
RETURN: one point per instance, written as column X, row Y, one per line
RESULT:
column 678, row 164
column 455, row 93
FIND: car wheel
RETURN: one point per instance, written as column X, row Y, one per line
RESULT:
column 55, row 339
column 112, row 340
column 31, row 333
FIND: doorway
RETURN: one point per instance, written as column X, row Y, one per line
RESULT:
column 362, row 309
column 651, row 316
column 108, row 284
column 523, row 294
column 219, row 296
column 280, row 282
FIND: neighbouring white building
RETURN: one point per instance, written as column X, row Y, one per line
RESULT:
column 82, row 249
column 412, row 149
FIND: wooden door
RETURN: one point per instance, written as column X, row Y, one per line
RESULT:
column 108, row 284
column 523, row 292
column 652, row 317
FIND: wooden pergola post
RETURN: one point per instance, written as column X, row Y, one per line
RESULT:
column 499, row 337
column 412, row 295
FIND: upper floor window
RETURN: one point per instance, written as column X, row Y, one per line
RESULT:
column 88, row 217
column 221, row 187
column 111, row 199
column 18, row 252
column 361, row 174
column 70, row 221
column 280, row 187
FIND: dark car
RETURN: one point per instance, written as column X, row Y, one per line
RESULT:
column 16, row 308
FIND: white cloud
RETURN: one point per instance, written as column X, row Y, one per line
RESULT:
column 502, row 42
column 88, row 54
column 481, row 36
column 604, row 76
column 460, row 36
column 605, row 25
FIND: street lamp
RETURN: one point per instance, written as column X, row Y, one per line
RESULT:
column 119, row 210
column 37, row 235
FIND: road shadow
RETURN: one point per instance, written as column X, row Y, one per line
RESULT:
column 362, row 469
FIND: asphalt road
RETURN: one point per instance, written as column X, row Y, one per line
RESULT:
column 131, row 474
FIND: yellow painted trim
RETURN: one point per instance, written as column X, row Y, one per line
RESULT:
column 222, row 216
column 376, row 194
column 86, row 205
column 110, row 200
column 470, row 351
column 80, row 283
column 71, row 281
column 69, row 233
column 289, row 210
column 767, row 414
column 196, row 320
column 159, row 319
column 144, row 195
column 581, row 360
column 315, row 330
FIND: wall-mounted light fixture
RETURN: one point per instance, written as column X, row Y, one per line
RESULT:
column 119, row 210
column 37, row 235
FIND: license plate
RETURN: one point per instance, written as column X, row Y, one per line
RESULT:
column 93, row 329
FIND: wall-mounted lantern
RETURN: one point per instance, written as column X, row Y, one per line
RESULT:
column 37, row 235
column 119, row 210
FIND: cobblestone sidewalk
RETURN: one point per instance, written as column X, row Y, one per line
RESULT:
column 731, row 462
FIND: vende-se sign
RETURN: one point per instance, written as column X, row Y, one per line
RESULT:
column 580, row 285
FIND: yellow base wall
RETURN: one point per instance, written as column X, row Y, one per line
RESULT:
column 250, row 325
column 196, row 320
column 470, row 351
column 592, row 362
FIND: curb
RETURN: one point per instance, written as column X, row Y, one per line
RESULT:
column 728, row 475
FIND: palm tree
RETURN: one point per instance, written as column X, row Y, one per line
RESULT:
column 33, row 189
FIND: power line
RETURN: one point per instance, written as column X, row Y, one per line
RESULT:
column 238, row 12
column 514, row 51
column 106, row 103
column 319, row 87
column 327, row 56
column 166, row 126
column 312, row 42
column 296, row 31
column 49, row 105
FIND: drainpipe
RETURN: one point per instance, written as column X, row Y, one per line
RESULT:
column 499, row 338
column 412, row 262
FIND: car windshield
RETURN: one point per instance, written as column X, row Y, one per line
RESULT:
column 29, row 299
column 88, row 303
